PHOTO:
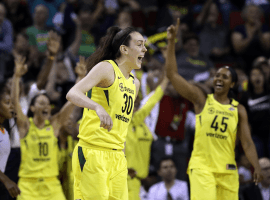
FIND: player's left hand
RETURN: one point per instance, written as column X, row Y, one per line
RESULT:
column 132, row 172
column 257, row 176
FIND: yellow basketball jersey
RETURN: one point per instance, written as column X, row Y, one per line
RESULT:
column 118, row 101
column 39, row 152
column 215, row 135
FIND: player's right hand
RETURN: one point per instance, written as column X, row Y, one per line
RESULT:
column 12, row 188
column 105, row 119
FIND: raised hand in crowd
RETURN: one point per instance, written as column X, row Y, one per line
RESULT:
column 20, row 66
column 53, row 47
column 53, row 43
column 80, row 68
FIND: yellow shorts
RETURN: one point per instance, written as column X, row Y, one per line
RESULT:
column 40, row 189
column 99, row 174
column 205, row 185
column 134, row 186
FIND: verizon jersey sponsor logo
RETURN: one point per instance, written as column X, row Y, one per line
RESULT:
column 122, row 118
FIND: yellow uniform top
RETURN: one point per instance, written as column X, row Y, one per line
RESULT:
column 118, row 101
column 139, row 137
column 215, row 135
column 39, row 150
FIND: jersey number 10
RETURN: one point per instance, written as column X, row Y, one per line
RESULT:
column 224, row 124
column 43, row 149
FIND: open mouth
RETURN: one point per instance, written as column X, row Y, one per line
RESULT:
column 45, row 113
column 140, row 58
column 219, row 85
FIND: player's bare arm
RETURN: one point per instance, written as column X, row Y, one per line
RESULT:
column 185, row 89
column 102, row 75
column 247, row 142
column 22, row 120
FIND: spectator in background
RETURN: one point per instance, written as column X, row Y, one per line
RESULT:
column 170, row 188
column 257, row 103
column 51, row 5
column 213, row 37
column 169, row 121
column 251, row 39
column 38, row 35
column 21, row 48
column 139, row 140
column 262, row 62
column 6, row 40
column 19, row 15
column 88, row 39
column 124, row 19
column 260, row 192
column 191, row 64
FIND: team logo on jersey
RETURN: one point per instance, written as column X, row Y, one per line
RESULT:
column 121, row 87
column 231, row 109
column 211, row 110
column 125, row 89
column 48, row 129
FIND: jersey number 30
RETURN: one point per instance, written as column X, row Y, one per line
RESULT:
column 128, row 104
column 224, row 124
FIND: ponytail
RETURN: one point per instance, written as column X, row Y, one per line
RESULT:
column 108, row 48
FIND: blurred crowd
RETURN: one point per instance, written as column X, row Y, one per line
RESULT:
column 55, row 35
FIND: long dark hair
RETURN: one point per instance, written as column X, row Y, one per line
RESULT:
column 3, row 88
column 29, row 112
column 265, row 83
column 108, row 48
column 3, row 91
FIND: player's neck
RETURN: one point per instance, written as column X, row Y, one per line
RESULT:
column 40, row 123
column 169, row 184
column 124, row 66
column 222, row 98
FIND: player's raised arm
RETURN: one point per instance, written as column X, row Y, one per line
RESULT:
column 185, row 89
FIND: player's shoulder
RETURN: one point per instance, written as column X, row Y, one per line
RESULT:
column 241, row 108
column 242, row 113
column 103, row 71
column 106, row 66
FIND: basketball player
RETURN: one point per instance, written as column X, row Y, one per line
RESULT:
column 38, row 132
column 212, row 168
column 107, row 93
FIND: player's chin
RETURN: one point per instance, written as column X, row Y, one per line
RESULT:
column 138, row 65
